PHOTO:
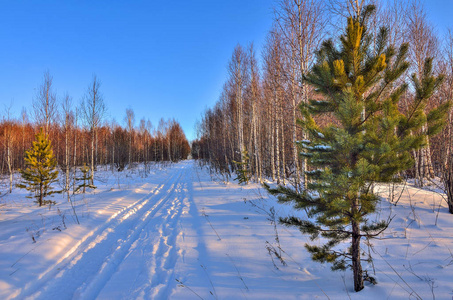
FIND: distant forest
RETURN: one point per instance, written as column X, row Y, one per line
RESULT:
column 80, row 134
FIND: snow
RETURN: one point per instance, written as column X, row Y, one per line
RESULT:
column 322, row 147
column 178, row 233
column 305, row 144
column 320, row 134
column 304, row 141
column 315, row 171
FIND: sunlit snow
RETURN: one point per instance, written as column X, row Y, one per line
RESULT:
column 178, row 233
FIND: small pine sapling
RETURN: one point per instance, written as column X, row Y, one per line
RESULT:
column 371, row 141
column 85, row 179
column 243, row 169
column 40, row 170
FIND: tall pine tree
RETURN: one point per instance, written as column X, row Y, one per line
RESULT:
column 370, row 142
column 40, row 170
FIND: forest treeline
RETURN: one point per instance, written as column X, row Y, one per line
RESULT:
column 253, row 125
column 81, row 134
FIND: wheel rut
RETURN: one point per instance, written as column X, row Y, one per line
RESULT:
column 88, row 266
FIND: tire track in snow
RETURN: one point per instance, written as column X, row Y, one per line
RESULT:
column 113, row 262
column 86, row 259
column 159, row 251
column 141, row 240
column 166, row 252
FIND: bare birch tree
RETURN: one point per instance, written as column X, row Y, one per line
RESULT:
column 347, row 8
column 68, row 120
column 44, row 104
column 8, row 139
column 273, row 91
column 423, row 45
column 237, row 69
column 93, row 110
column 446, row 138
column 301, row 24
column 254, row 97
column 129, row 119
column 24, row 122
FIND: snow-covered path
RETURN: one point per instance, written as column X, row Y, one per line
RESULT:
column 182, row 233
column 135, row 249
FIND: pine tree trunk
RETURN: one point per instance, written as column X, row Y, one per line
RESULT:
column 417, row 175
column 356, row 264
column 41, row 192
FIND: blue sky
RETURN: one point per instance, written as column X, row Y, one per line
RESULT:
column 160, row 58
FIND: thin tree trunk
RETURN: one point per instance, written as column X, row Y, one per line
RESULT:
column 255, row 143
column 356, row 263
column 294, row 131
column 75, row 154
column 10, row 169
column 240, row 125
column 448, row 181
column 96, row 159
column 304, row 87
column 113, row 152
column 277, row 141
column 429, row 164
column 283, row 146
column 92, row 157
column 41, row 192
column 417, row 175
column 448, row 165
column 272, row 148
column 67, row 157
column 130, row 149
column 169, row 148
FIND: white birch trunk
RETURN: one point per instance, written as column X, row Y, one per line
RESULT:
column 277, row 144
column 9, row 163
column 283, row 145
column 67, row 157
